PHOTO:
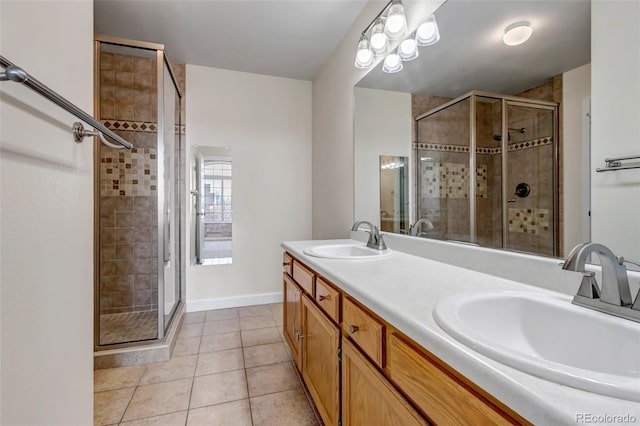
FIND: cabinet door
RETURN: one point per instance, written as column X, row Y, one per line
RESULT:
column 320, row 362
column 292, row 322
column 368, row 399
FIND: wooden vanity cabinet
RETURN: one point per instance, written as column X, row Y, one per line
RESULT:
column 383, row 378
column 320, row 361
column 292, row 318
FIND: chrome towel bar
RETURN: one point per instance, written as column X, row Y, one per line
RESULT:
column 613, row 164
column 14, row 73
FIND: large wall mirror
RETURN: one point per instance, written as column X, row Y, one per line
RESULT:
column 498, row 136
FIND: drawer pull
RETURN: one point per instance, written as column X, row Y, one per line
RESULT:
column 286, row 263
column 299, row 337
column 353, row 328
column 322, row 297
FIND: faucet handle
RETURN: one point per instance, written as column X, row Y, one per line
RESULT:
column 589, row 286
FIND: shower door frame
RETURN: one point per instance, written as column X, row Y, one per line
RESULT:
column 161, row 61
column 505, row 100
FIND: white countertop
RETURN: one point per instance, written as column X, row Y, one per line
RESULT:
column 403, row 289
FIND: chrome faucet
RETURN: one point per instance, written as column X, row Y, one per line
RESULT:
column 375, row 239
column 415, row 228
column 614, row 296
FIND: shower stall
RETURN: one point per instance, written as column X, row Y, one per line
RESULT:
column 139, row 195
column 487, row 172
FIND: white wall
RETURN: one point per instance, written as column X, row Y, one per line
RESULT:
column 576, row 86
column 267, row 123
column 615, row 131
column 382, row 126
column 46, row 221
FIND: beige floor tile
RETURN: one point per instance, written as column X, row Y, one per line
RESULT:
column 236, row 413
column 109, row 406
column 218, row 388
column 260, row 336
column 254, row 311
column 272, row 353
column 278, row 319
column 261, row 321
column 173, row 419
column 272, row 378
column 220, row 342
column 158, row 399
column 177, row 368
column 117, row 378
column 221, row 314
column 186, row 346
column 283, row 408
column 193, row 317
column 218, row 362
column 191, row 330
column 222, row 326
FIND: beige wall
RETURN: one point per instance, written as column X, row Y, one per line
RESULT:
column 333, row 177
column 576, row 86
column 47, row 219
column 615, row 124
column 267, row 123
column 382, row 126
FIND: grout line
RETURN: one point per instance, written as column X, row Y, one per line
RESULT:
column 246, row 380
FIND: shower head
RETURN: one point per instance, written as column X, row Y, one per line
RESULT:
column 498, row 138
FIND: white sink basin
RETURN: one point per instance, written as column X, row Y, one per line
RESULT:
column 346, row 251
column 545, row 335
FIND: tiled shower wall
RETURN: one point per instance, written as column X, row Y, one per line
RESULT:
column 128, row 184
column 531, row 156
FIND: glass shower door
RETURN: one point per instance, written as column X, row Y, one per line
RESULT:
column 530, row 210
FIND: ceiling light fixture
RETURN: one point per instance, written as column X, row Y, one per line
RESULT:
column 517, row 33
column 428, row 33
column 391, row 24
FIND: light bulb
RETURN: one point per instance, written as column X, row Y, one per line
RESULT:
column 396, row 24
column 392, row 63
column 379, row 40
column 408, row 49
column 364, row 56
column 427, row 32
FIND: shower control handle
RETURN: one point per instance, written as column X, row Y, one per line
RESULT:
column 511, row 200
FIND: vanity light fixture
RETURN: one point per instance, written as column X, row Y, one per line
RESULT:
column 364, row 55
column 379, row 39
column 396, row 25
column 427, row 32
column 392, row 63
column 391, row 24
column 517, row 33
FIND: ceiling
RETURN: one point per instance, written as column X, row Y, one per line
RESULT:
column 291, row 38
column 471, row 55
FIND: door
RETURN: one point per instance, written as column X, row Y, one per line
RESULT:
column 368, row 399
column 292, row 312
column 320, row 362
column 530, row 178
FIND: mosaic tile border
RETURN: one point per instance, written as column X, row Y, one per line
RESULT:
column 534, row 143
column 529, row 221
column 128, row 172
column 139, row 126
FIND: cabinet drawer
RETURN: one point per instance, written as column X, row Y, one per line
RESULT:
column 442, row 396
column 287, row 263
column 328, row 298
column 304, row 277
column 366, row 331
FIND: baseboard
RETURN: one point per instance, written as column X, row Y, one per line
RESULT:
column 233, row 302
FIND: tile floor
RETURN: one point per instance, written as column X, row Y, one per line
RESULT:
column 128, row 327
column 229, row 367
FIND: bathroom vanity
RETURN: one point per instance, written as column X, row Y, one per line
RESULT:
column 363, row 336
